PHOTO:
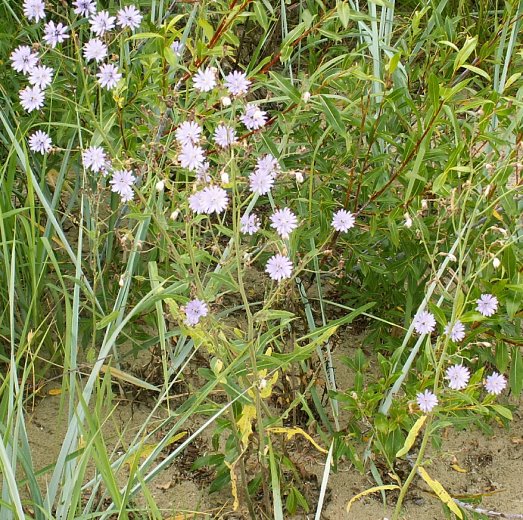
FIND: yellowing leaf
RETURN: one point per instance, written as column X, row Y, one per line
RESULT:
column 458, row 468
column 291, row 432
column 245, row 423
column 266, row 391
column 368, row 492
column 128, row 378
column 147, row 449
column 234, row 486
column 411, row 437
column 440, row 492
column 495, row 214
column 55, row 391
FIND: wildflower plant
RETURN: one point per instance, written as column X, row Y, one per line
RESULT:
column 214, row 193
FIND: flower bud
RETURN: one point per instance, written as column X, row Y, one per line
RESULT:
column 175, row 214
column 226, row 101
column 496, row 262
column 224, row 178
column 408, row 221
column 160, row 186
column 306, row 96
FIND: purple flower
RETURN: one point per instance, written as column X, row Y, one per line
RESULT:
column 122, row 183
column 458, row 377
column 250, row 224
column 253, row 118
column 205, row 80
column 279, row 267
column 24, row 59
column 101, row 23
column 197, row 203
column 94, row 158
column 268, row 164
column 194, row 310
column 495, row 383
column 424, row 322
column 32, row 98
column 108, row 76
column 55, row 33
column 284, row 221
column 426, row 401
column 191, row 157
column 129, row 16
column 40, row 142
column 84, row 7
column 343, row 220
column 237, row 83
column 34, row 9
column 487, row 304
column 456, row 331
column 95, row 49
column 41, row 76
column 214, row 199
column 188, row 133
column 225, row 136
column 260, row 182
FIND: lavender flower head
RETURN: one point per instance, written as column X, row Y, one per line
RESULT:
column 495, row 383
column 250, row 224
column 487, row 304
column 194, row 311
column 458, row 377
column 456, row 332
column 343, row 220
column 424, row 322
column 40, row 142
column 284, row 221
column 426, row 401
column 279, row 267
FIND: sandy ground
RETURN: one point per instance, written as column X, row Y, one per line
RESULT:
column 468, row 463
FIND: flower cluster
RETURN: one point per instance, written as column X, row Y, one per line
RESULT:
column 458, row 376
column 425, row 323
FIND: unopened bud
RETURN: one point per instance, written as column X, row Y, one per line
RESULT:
column 224, row 177
column 424, row 204
column 306, row 96
column 160, row 186
column 408, row 221
column 496, row 262
column 175, row 214
column 226, row 101
column 299, row 176
column 122, row 280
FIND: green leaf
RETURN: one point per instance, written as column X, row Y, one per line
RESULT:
column 501, row 410
column 343, row 11
column 286, row 87
column 502, row 358
column 107, row 319
column 333, row 115
column 144, row 36
column 516, row 372
column 465, row 52
column 478, row 71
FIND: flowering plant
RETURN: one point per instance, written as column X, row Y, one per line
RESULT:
column 233, row 209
